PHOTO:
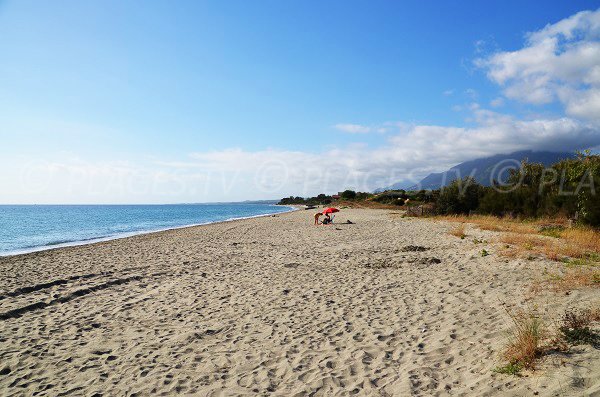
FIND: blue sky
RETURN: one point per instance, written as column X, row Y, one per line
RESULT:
column 179, row 91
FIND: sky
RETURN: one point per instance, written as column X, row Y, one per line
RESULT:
column 199, row 101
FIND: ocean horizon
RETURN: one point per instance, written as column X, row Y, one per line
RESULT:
column 37, row 227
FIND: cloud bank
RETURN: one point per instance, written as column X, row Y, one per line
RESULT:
column 558, row 64
column 237, row 174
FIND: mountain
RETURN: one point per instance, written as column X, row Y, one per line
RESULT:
column 484, row 170
column 396, row 186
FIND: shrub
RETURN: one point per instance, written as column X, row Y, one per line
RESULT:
column 575, row 328
column 579, row 179
column 363, row 196
column 568, row 187
column 394, row 197
column 321, row 199
column 460, row 197
column 348, row 195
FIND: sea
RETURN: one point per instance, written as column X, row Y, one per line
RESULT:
column 28, row 228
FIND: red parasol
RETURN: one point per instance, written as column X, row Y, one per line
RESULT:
column 330, row 210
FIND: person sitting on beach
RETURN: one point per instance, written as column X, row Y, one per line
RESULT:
column 317, row 216
column 326, row 220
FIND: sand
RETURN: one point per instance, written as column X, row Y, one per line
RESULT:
column 277, row 306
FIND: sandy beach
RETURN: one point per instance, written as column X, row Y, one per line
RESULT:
column 387, row 306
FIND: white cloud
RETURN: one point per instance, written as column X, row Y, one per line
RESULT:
column 353, row 128
column 471, row 93
column 362, row 129
column 479, row 46
column 497, row 102
column 559, row 62
column 448, row 92
column 585, row 104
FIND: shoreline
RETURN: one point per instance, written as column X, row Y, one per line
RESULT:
column 119, row 236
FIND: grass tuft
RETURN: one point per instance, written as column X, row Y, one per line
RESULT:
column 459, row 231
column 552, row 231
column 530, row 339
column 574, row 277
column 525, row 342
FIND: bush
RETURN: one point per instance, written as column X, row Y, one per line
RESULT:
column 460, row 197
column 348, row 195
column 321, row 199
column 568, row 187
column 575, row 328
column 291, row 200
column 395, row 197
column 364, row 196
column 583, row 177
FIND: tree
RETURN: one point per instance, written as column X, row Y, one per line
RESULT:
column 348, row 195
column 460, row 197
column 580, row 180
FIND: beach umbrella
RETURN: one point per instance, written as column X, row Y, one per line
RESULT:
column 330, row 210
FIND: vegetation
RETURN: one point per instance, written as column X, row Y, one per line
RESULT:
column 399, row 197
column 348, row 195
column 460, row 197
column 571, row 278
column 321, row 199
column 567, row 188
column 525, row 341
column 575, row 327
column 390, row 197
column 459, row 231
column 530, row 338
column 509, row 369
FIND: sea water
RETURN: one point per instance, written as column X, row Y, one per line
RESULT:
column 27, row 228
